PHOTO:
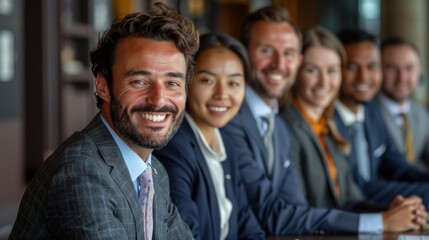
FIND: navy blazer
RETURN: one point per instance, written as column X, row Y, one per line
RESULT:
column 389, row 168
column 278, row 200
column 193, row 192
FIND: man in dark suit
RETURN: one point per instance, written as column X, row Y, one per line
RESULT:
column 405, row 118
column 271, row 181
column 93, row 185
column 381, row 171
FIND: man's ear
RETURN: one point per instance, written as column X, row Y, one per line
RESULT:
column 102, row 88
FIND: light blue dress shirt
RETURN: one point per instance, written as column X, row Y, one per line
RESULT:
column 135, row 165
column 259, row 109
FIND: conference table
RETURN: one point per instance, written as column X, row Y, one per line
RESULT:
column 414, row 235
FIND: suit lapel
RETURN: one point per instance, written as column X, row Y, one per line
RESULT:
column 202, row 165
column 250, row 126
column 298, row 121
column 111, row 154
column 394, row 129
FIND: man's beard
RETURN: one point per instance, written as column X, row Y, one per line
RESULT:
column 258, row 87
column 122, row 122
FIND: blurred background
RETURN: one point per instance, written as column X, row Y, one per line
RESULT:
column 46, row 87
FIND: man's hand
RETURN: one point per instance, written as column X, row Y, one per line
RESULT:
column 404, row 214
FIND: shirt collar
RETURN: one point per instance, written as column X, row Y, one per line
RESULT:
column 319, row 127
column 257, row 106
column 348, row 116
column 393, row 107
column 135, row 165
column 202, row 142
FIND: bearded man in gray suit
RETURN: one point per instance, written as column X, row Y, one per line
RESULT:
column 401, row 76
column 89, row 187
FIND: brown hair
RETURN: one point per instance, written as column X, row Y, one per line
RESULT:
column 319, row 36
column 274, row 14
column 161, row 23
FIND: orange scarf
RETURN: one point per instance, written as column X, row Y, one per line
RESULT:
column 320, row 129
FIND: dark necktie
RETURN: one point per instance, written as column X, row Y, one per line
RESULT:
column 146, row 201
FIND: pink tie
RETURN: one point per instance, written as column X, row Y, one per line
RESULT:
column 146, row 201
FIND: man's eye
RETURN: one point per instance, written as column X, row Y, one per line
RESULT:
column 289, row 54
column 267, row 51
column 173, row 84
column 137, row 82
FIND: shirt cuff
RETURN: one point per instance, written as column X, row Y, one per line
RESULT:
column 370, row 223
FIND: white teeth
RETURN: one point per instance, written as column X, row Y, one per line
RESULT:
column 154, row 118
column 320, row 93
column 362, row 87
column 275, row 77
column 218, row 109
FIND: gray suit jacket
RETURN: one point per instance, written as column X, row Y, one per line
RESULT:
column 419, row 119
column 310, row 161
column 84, row 191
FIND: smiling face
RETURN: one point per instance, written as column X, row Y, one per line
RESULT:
column 401, row 70
column 318, row 80
column 217, row 90
column 274, row 58
column 146, row 105
column 361, row 74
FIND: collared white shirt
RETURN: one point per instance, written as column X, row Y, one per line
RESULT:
column 259, row 109
column 348, row 116
column 214, row 160
column 135, row 165
column 368, row 222
column 395, row 109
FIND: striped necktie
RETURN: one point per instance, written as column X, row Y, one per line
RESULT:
column 146, row 201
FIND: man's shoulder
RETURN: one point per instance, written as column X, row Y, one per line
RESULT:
column 418, row 108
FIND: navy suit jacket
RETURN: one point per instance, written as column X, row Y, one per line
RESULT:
column 84, row 191
column 278, row 200
column 193, row 192
column 389, row 168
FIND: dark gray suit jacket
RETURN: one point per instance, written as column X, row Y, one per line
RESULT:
column 419, row 119
column 84, row 191
column 311, row 163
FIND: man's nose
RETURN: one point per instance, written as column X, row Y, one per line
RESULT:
column 156, row 95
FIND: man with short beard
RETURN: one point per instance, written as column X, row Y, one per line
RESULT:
column 103, row 182
column 401, row 76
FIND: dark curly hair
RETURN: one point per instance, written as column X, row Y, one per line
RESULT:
column 161, row 23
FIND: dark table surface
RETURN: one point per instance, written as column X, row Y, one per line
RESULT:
column 422, row 235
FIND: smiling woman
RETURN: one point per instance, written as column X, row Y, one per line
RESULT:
column 203, row 175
